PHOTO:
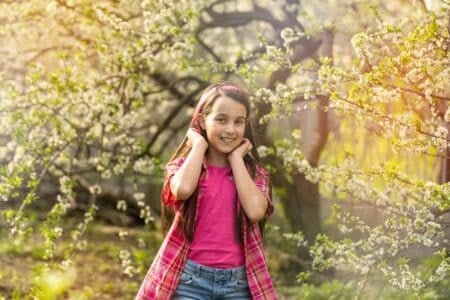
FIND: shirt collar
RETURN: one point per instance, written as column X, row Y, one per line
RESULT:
column 205, row 165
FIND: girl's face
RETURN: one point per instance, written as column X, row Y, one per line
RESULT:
column 225, row 125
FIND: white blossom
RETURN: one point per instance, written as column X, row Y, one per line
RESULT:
column 121, row 205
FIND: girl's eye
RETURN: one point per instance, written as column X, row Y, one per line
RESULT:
column 221, row 120
column 240, row 123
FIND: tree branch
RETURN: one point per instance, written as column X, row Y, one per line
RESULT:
column 184, row 100
column 236, row 19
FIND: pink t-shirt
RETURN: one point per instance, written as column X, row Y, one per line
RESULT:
column 215, row 243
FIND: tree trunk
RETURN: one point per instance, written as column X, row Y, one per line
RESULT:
column 301, row 202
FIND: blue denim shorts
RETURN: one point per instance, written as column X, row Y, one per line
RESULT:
column 201, row 282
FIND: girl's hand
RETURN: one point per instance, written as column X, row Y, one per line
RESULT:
column 242, row 150
column 196, row 138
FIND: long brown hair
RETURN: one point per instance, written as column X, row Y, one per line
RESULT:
column 203, row 107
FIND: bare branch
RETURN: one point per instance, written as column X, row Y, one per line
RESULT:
column 170, row 138
column 184, row 100
column 46, row 50
column 235, row 19
column 207, row 48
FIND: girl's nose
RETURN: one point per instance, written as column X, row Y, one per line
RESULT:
column 230, row 128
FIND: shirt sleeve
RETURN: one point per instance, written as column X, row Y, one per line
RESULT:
column 168, row 198
column 262, row 182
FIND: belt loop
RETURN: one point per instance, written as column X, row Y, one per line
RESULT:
column 198, row 270
column 241, row 273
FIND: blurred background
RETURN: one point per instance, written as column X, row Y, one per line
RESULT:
column 350, row 111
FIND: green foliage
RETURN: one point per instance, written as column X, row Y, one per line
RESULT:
column 328, row 290
column 94, row 95
column 51, row 285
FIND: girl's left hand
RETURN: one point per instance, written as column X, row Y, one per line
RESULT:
column 242, row 150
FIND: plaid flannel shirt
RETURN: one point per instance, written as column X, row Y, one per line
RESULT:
column 163, row 276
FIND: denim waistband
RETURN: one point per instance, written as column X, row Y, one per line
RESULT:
column 213, row 273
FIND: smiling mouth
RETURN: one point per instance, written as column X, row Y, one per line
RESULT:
column 227, row 140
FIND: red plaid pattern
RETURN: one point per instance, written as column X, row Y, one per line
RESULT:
column 162, row 278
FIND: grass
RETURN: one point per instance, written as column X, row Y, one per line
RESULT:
column 96, row 271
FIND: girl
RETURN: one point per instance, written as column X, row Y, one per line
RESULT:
column 218, row 192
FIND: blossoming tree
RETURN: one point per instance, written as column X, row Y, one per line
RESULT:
column 93, row 94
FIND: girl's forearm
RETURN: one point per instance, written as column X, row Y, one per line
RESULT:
column 252, row 199
column 186, row 178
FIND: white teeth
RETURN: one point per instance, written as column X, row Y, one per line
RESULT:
column 228, row 140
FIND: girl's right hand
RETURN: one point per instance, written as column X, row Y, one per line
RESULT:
column 194, row 137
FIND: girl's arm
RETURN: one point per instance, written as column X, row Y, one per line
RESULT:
column 253, row 202
column 185, row 180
